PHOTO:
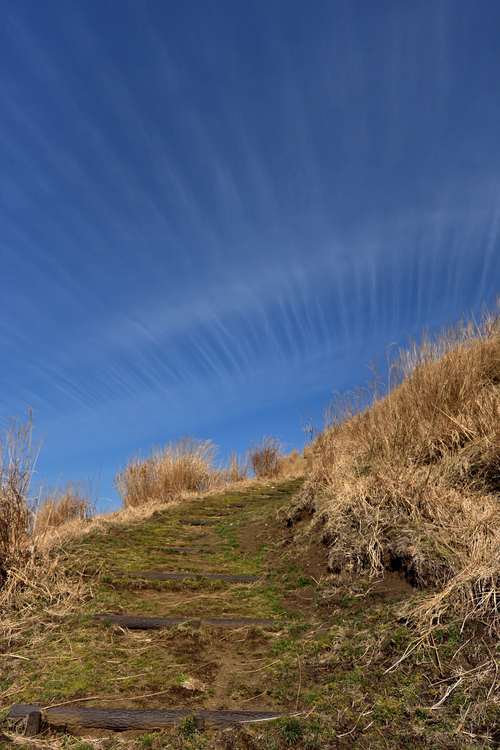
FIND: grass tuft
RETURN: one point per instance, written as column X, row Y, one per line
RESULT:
column 16, row 466
column 61, row 507
column 186, row 466
column 266, row 458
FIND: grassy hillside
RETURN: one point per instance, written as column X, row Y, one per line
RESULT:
column 362, row 603
column 412, row 483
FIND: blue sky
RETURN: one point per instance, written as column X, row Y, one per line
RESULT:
column 215, row 215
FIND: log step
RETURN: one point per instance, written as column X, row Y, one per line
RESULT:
column 137, row 622
column 120, row 720
column 159, row 575
column 200, row 521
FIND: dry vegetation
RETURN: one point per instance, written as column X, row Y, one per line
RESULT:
column 189, row 466
column 16, row 465
column 293, row 464
column 186, row 466
column 412, row 483
column 237, row 470
column 33, row 587
column 265, row 458
column 61, row 507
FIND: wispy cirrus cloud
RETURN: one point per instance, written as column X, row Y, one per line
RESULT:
column 198, row 221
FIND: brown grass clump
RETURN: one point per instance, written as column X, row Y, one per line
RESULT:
column 60, row 508
column 293, row 464
column 412, row 483
column 34, row 596
column 238, row 469
column 186, row 466
column 265, row 458
column 33, row 587
column 16, row 465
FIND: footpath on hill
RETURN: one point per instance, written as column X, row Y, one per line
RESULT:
column 206, row 627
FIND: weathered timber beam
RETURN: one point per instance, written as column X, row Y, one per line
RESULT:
column 137, row 622
column 119, row 719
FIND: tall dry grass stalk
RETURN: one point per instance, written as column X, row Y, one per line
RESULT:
column 265, row 458
column 413, row 482
column 186, row 466
column 16, row 466
column 61, row 507
column 237, row 470
column 33, row 587
column 293, row 464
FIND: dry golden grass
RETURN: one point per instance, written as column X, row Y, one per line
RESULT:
column 293, row 464
column 33, row 597
column 33, row 587
column 237, row 470
column 16, row 466
column 266, row 458
column 186, row 466
column 60, row 508
column 413, row 482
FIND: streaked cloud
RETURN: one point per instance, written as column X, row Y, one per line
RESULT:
column 210, row 214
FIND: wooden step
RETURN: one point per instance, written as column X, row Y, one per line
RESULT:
column 138, row 622
column 159, row 575
column 200, row 521
column 119, row 719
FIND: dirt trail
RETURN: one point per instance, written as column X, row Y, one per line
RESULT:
column 145, row 587
column 193, row 625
